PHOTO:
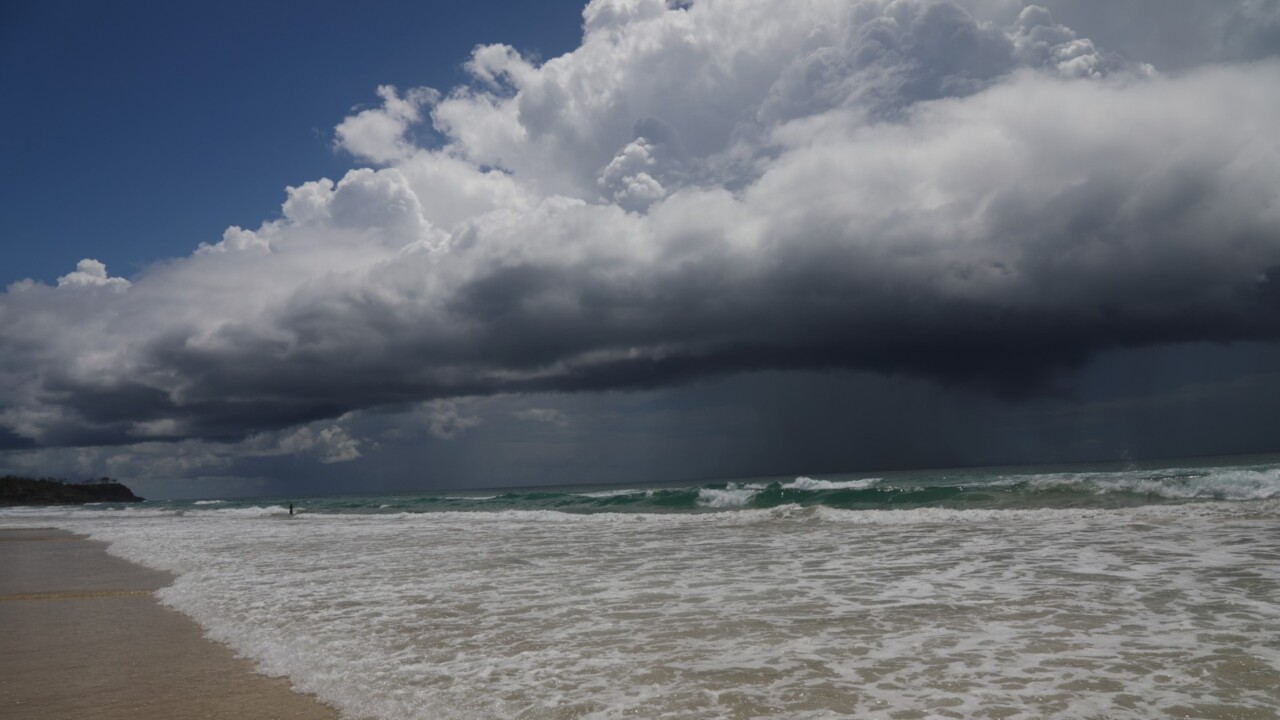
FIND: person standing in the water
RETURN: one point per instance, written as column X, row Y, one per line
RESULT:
column 290, row 508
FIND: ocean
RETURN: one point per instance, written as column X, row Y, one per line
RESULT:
column 1139, row 591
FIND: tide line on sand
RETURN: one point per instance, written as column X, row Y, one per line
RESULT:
column 86, row 638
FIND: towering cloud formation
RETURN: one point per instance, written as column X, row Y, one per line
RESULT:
column 973, row 193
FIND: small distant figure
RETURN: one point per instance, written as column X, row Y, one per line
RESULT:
column 290, row 508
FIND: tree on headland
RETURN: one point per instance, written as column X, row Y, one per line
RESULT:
column 15, row 490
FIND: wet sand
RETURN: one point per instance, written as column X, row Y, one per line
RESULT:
column 83, row 637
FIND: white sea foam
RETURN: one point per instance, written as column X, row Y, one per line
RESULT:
column 616, row 493
column 71, row 511
column 738, row 495
column 209, row 502
column 1225, row 483
column 733, row 495
column 787, row 612
column 808, row 483
column 251, row 511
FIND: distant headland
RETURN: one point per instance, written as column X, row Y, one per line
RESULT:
column 16, row 490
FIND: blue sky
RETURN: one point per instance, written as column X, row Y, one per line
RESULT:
column 138, row 130
column 345, row 246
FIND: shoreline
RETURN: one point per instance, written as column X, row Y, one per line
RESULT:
column 86, row 638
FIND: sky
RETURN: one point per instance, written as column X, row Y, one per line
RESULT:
column 345, row 247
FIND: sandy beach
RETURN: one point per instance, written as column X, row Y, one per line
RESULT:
column 84, row 637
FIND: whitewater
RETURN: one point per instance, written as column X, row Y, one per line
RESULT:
column 1081, row 593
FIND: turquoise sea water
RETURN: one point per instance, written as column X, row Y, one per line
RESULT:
column 1100, row 486
column 1127, row 591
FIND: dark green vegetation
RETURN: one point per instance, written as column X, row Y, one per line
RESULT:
column 47, row 491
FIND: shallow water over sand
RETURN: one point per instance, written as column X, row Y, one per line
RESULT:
column 1137, row 612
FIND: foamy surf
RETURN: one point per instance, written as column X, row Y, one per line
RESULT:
column 1213, row 483
column 808, row 483
column 1050, row 600
column 730, row 496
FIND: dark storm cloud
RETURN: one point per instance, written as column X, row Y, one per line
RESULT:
column 902, row 188
column 10, row 440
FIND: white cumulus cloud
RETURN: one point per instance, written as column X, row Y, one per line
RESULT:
column 91, row 273
column 378, row 134
column 970, row 192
